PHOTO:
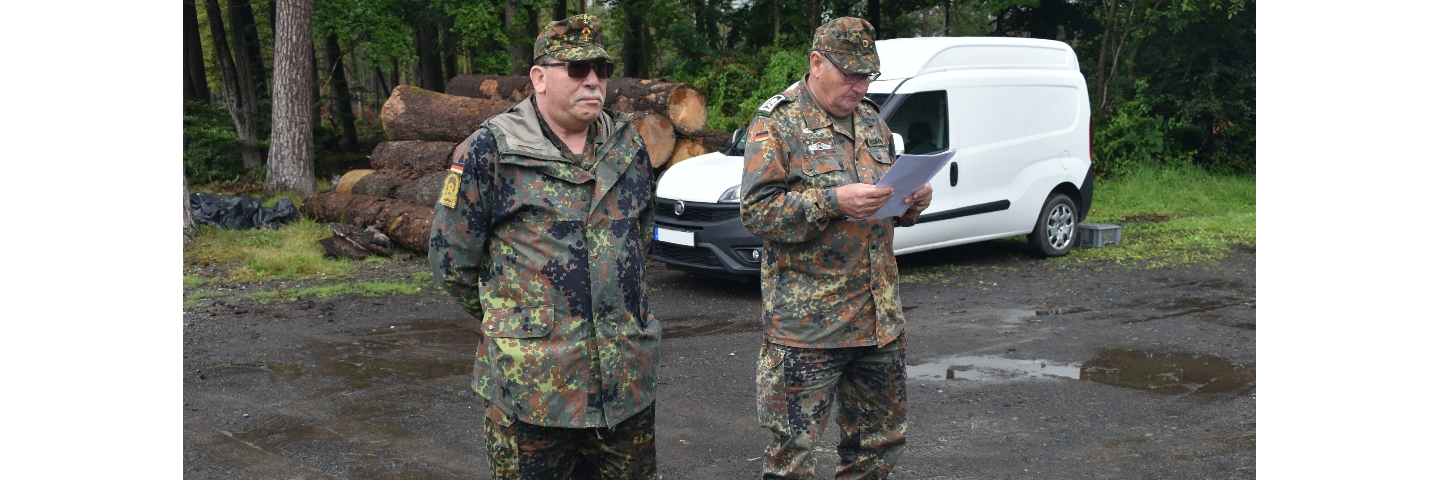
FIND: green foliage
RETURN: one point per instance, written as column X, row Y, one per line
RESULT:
column 1134, row 136
column 377, row 26
column 727, row 83
column 474, row 21
column 212, row 149
column 1211, row 83
column 734, row 88
column 1194, row 61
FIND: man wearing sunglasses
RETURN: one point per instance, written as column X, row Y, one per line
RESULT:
column 541, row 233
column 832, row 322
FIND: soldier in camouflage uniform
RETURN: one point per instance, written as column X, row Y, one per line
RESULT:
column 541, row 233
column 833, row 327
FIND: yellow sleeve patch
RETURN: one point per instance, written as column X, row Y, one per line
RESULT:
column 451, row 193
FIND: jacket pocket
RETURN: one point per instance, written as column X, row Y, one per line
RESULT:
column 824, row 171
column 518, row 322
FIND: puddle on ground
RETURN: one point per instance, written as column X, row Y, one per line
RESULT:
column 1213, row 309
column 1162, row 373
column 422, row 349
column 989, row 368
column 1168, row 373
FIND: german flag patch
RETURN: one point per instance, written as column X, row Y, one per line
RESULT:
column 760, row 137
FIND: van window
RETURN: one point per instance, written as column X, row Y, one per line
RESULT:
column 920, row 119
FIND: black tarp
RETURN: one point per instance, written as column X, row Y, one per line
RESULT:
column 240, row 213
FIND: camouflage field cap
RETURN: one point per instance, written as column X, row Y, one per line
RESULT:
column 850, row 42
column 573, row 39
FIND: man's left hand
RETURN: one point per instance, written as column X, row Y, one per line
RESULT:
column 920, row 200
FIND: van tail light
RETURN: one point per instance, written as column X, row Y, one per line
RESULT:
column 1092, row 139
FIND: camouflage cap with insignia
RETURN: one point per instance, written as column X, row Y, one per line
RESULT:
column 850, row 43
column 573, row 39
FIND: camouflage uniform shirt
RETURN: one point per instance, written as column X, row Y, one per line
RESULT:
column 827, row 282
column 549, row 254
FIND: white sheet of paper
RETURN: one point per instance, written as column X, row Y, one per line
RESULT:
column 906, row 176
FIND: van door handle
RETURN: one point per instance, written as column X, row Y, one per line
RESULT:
column 954, row 174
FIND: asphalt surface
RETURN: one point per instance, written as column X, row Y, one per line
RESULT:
column 1019, row 369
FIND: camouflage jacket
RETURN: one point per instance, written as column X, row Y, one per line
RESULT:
column 550, row 257
column 826, row 281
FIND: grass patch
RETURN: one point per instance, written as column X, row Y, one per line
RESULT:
column 291, row 252
column 1167, row 218
column 1172, row 217
column 410, row 286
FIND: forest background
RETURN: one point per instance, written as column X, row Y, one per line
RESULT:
column 1172, row 82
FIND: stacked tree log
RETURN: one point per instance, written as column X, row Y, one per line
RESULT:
column 397, row 194
column 671, row 118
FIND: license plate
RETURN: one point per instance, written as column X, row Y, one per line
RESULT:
column 675, row 236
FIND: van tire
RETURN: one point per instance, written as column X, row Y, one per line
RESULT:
column 1055, row 230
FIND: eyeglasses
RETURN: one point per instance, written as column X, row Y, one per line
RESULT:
column 582, row 69
column 851, row 77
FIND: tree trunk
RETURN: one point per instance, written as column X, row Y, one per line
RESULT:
column 423, row 191
column 349, row 179
column 872, row 14
column 376, row 184
column 196, row 86
column 412, row 158
column 687, row 148
column 557, row 11
column 519, row 51
column 413, row 113
column 716, row 141
column 636, row 45
column 407, row 224
column 659, row 137
column 247, row 46
column 238, row 99
column 292, row 161
column 416, row 114
column 340, row 91
column 191, row 228
column 427, row 46
column 507, row 87
column 683, row 104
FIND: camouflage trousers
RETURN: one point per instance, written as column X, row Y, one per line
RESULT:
column 796, row 388
column 522, row 451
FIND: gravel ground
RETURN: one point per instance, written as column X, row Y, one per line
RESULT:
column 1019, row 368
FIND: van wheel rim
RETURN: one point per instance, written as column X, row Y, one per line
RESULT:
column 1060, row 226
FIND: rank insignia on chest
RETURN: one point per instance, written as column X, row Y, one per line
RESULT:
column 875, row 142
column 815, row 147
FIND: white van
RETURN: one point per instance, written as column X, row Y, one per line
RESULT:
column 1016, row 110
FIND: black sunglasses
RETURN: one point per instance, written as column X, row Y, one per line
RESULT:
column 850, row 77
column 582, row 69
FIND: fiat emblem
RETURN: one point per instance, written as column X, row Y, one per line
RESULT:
column 679, row 207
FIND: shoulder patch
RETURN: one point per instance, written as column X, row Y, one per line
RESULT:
column 769, row 105
column 450, row 193
column 868, row 101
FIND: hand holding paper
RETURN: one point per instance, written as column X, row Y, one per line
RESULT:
column 907, row 176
